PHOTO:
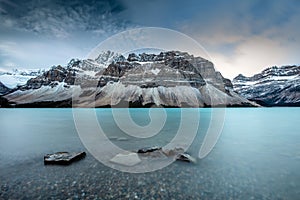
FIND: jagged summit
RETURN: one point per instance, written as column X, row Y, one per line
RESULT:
column 109, row 57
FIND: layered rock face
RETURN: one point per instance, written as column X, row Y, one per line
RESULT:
column 274, row 86
column 170, row 79
column 3, row 89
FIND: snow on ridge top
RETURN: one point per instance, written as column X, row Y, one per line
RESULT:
column 12, row 81
column 24, row 72
column 17, row 77
column 282, row 71
column 107, row 57
column 285, row 77
column 146, row 62
column 286, row 72
column 264, row 80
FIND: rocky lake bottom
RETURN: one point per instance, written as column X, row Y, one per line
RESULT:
column 256, row 157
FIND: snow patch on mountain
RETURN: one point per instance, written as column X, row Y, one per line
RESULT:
column 155, row 71
column 274, row 86
column 60, row 91
column 17, row 77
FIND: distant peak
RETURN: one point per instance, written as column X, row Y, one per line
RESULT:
column 109, row 56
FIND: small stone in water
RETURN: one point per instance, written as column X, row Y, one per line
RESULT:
column 185, row 157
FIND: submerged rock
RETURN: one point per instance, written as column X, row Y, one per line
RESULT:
column 127, row 159
column 122, row 139
column 173, row 152
column 176, row 153
column 63, row 158
column 151, row 153
column 118, row 138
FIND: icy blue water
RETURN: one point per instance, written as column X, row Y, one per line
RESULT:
column 257, row 154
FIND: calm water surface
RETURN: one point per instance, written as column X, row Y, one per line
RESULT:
column 257, row 156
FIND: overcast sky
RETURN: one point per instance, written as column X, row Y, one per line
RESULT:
column 240, row 36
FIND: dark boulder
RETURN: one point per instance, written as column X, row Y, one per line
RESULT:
column 149, row 149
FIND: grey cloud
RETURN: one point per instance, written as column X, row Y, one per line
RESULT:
column 62, row 18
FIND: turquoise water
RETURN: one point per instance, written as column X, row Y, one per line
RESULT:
column 256, row 156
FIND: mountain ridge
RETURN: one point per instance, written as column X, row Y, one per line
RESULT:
column 274, row 86
column 169, row 79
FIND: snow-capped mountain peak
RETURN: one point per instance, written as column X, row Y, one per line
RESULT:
column 274, row 86
column 108, row 57
column 170, row 78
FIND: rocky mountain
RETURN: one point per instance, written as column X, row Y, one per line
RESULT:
column 274, row 86
column 16, row 77
column 169, row 79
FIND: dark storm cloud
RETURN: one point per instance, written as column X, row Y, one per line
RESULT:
column 62, row 18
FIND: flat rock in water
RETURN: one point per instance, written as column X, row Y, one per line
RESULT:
column 127, row 159
column 63, row 158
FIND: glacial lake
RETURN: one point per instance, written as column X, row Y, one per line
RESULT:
column 257, row 156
